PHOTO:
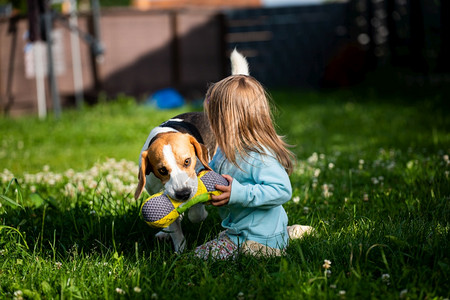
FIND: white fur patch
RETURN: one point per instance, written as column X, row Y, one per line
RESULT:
column 176, row 120
column 179, row 179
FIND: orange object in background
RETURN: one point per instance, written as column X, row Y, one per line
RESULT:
column 165, row 4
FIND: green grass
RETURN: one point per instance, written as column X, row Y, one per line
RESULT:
column 372, row 178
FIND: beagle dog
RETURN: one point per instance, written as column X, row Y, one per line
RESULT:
column 170, row 159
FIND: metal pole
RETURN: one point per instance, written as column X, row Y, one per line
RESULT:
column 12, row 56
column 76, row 56
column 96, row 18
column 96, row 46
column 51, row 67
column 174, row 47
column 39, row 74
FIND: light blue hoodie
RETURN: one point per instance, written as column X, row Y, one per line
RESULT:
column 255, row 210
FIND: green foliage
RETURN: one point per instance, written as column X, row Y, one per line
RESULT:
column 372, row 177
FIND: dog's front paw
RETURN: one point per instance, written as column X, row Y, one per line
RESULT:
column 179, row 248
column 197, row 213
column 162, row 235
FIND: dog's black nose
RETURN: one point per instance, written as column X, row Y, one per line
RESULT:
column 183, row 194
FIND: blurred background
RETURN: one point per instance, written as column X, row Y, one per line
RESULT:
column 62, row 54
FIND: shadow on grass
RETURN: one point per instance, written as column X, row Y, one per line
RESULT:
column 54, row 228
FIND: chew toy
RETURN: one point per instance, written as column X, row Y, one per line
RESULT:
column 159, row 210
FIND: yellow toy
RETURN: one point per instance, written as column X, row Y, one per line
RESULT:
column 160, row 210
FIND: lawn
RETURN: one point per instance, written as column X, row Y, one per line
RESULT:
column 372, row 177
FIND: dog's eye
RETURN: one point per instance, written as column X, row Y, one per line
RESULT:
column 163, row 171
column 187, row 162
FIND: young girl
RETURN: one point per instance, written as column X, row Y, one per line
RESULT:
column 256, row 163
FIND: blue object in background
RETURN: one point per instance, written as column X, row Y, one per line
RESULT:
column 166, row 99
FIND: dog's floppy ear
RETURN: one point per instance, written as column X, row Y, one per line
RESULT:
column 144, row 169
column 201, row 152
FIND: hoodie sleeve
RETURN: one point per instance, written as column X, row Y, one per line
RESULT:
column 269, row 187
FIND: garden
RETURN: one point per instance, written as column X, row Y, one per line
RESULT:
column 372, row 177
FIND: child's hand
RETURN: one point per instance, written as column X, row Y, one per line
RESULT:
column 224, row 198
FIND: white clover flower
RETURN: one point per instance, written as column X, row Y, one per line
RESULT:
column 445, row 157
column 333, row 286
column 94, row 171
column 330, row 166
column 154, row 296
column 305, row 210
column 403, row 293
column 328, row 273
column 326, row 264
column 120, row 291
column 365, row 197
column 391, row 165
column 80, row 187
column 342, row 293
column 6, row 176
column 111, row 177
column 361, row 164
column 300, row 170
column 92, row 184
column 316, row 173
column 69, row 173
column 69, row 190
column 327, row 190
column 385, row 278
column 313, row 158
column 58, row 265
column 375, row 180
column 137, row 289
column 18, row 295
column 296, row 199
column 240, row 296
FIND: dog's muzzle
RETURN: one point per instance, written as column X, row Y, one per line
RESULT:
column 183, row 194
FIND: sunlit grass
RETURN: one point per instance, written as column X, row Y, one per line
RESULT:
column 372, row 178
column 79, row 139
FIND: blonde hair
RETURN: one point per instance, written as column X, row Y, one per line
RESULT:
column 239, row 112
